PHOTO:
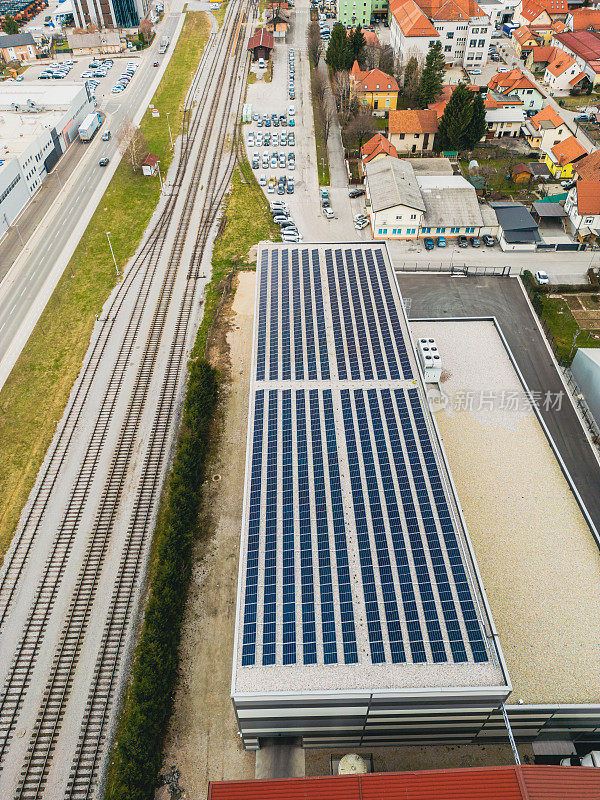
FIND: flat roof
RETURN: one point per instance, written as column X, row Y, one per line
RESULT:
column 49, row 95
column 355, row 570
column 537, row 557
column 20, row 130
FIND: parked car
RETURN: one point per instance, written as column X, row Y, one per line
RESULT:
column 262, row 181
column 441, row 241
column 463, row 241
column 488, row 240
column 356, row 192
column 475, row 241
column 290, row 186
column 428, row 242
column 360, row 224
column 542, row 277
column 328, row 212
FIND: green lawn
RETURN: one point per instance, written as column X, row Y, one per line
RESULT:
column 321, row 145
column 563, row 326
column 34, row 397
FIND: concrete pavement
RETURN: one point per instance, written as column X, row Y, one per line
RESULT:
column 31, row 279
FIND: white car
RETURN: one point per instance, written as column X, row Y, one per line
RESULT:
column 542, row 277
column 262, row 181
column 360, row 224
column 502, row 69
column 250, row 140
column 291, row 111
column 87, row 74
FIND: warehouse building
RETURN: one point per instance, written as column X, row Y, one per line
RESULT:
column 360, row 616
column 38, row 125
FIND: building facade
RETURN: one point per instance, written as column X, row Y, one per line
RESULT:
column 18, row 47
column 110, row 13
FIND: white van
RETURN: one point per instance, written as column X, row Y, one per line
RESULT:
column 261, row 63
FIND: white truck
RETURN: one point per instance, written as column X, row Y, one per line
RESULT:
column 164, row 43
column 89, row 126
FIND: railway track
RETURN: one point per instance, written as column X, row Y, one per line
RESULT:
column 85, row 767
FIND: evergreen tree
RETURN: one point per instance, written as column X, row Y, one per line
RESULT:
column 432, row 78
column 356, row 46
column 10, row 26
column 337, row 52
column 456, row 120
column 478, row 125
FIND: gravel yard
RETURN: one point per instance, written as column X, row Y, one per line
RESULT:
column 539, row 563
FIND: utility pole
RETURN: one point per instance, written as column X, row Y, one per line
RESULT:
column 169, row 124
column 112, row 253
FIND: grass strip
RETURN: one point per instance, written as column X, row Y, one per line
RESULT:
column 137, row 753
column 35, row 394
column 321, row 144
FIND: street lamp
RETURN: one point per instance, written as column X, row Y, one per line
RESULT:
column 170, row 134
column 16, row 228
column 159, row 175
column 112, row 252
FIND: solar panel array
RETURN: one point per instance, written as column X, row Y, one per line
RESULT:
column 344, row 480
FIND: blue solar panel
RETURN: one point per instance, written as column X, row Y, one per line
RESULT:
column 286, row 371
column 393, row 312
column 362, row 535
column 392, row 362
column 338, row 337
column 274, row 319
column 322, row 528
column 318, row 292
column 347, row 317
column 270, row 548
column 359, row 318
column 380, row 366
column 287, row 531
column 252, row 548
column 298, row 327
column 309, row 636
column 311, row 359
column 262, row 317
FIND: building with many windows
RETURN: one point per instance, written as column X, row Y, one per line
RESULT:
column 38, row 124
column 110, row 14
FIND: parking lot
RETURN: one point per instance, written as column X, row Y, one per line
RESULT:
column 81, row 67
column 272, row 97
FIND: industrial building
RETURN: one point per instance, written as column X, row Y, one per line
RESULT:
column 38, row 124
column 363, row 618
column 360, row 616
column 110, row 14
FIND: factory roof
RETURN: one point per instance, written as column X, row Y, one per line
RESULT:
column 48, row 95
column 392, row 182
column 483, row 783
column 355, row 569
column 449, row 200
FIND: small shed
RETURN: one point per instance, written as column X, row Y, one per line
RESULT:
column 539, row 170
column 261, row 44
column 278, row 25
column 520, row 173
column 548, row 214
column 150, row 164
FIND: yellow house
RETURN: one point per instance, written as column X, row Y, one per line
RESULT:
column 561, row 158
column 523, row 40
column 374, row 88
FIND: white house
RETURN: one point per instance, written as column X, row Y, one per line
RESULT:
column 505, row 121
column 546, row 129
column 396, row 206
column 583, row 207
column 563, row 73
column 516, row 85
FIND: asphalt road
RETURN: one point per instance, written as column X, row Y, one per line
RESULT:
column 502, row 298
column 24, row 291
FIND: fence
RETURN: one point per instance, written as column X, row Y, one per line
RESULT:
column 583, row 407
column 453, row 269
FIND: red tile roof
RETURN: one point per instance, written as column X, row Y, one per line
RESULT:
column 588, row 168
column 588, row 197
column 577, row 79
column 413, row 121
column 561, row 62
column 508, row 82
column 568, row 151
column 483, row 783
column 585, row 44
column 150, row 161
column 532, row 10
column 371, row 39
column 547, row 113
column 585, row 18
column 374, row 80
column 411, row 19
column 376, row 146
column 523, row 35
column 448, row 9
column 541, row 54
column 554, row 6
column 261, row 38
column 442, row 100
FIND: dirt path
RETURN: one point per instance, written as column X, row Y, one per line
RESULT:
column 202, row 741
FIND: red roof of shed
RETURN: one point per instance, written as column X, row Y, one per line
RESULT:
column 262, row 38
column 484, row 783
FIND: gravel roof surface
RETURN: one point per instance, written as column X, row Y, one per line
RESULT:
column 538, row 560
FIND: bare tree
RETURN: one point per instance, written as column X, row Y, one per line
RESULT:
column 314, row 42
column 412, row 78
column 386, row 60
column 145, row 30
column 370, row 56
column 345, row 96
column 319, row 88
column 132, row 144
column 360, row 129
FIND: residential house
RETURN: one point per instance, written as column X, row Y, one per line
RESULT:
column 517, row 228
column 584, row 47
column 412, row 198
column 504, row 121
column 412, row 131
column 583, row 207
column 540, row 12
column 374, row 88
column 523, row 41
column 561, row 158
column 546, row 129
column 350, row 13
column 278, row 24
column 462, row 26
column 100, row 42
column 539, row 58
column 439, row 105
column 584, row 19
column 18, row 47
column 544, row 33
column 515, row 84
column 562, row 73
column 588, row 167
column 377, row 147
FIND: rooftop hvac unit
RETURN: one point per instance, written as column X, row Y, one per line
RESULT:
column 430, row 359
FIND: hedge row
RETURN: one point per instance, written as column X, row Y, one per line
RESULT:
column 533, row 287
column 138, row 749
